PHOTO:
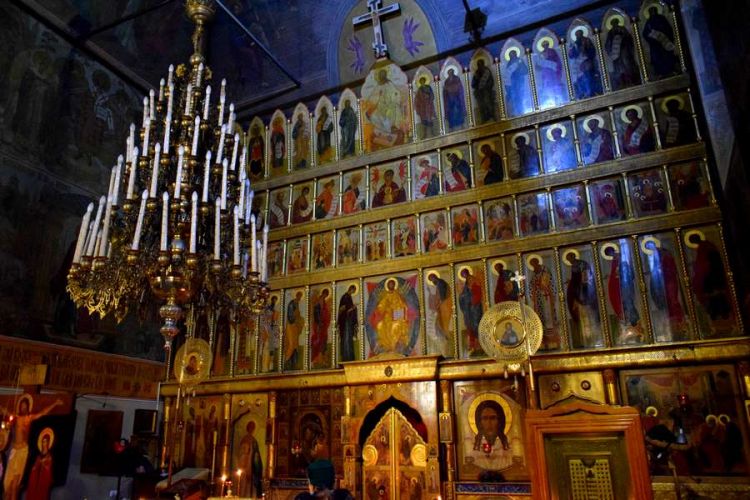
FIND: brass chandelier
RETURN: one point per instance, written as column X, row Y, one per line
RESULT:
column 175, row 229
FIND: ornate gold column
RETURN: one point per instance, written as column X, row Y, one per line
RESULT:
column 200, row 12
column 445, row 427
column 350, row 449
column 271, row 436
column 610, row 387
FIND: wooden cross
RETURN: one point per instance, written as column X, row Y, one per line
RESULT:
column 376, row 11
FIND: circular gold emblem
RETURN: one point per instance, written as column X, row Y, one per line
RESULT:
column 510, row 334
column 192, row 362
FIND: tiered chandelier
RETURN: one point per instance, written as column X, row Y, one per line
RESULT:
column 176, row 229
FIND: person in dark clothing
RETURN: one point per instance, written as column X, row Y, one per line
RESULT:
column 322, row 478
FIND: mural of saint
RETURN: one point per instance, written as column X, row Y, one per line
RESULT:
column 570, row 208
column 583, row 62
column 543, row 297
column 324, row 134
column 471, row 305
column 549, row 71
column 269, row 335
column 320, row 302
column 388, row 190
column 581, row 299
column 278, row 208
column 490, row 164
column 465, row 230
column 426, row 176
column 376, row 241
column 293, row 329
column 348, row 125
column 596, row 140
column 275, row 259
column 347, row 322
column 608, row 201
column 491, row 443
column 454, row 100
column 354, row 196
column 301, row 140
column 676, row 125
column 660, row 41
column 620, row 52
column 424, row 107
column 457, row 172
column 327, row 201
column 690, row 187
column 404, row 234
column 439, row 314
column 250, row 462
column 559, row 152
column 348, row 246
column 385, row 108
column 392, row 313
column 533, row 213
column 498, row 215
column 505, row 288
column 622, row 292
column 666, row 302
column 483, row 88
column 302, row 206
column 257, row 151
column 322, row 250
column 278, row 144
column 523, row 158
column 296, row 255
column 41, row 478
column 648, row 191
column 517, row 85
column 637, row 135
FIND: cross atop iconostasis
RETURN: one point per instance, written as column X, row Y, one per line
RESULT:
column 376, row 11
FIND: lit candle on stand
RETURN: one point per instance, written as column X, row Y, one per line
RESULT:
column 131, row 178
column 105, row 231
column 170, row 75
column 193, row 222
column 82, row 233
column 220, row 152
column 234, row 151
column 206, row 171
column 263, row 262
column 241, row 203
column 97, row 219
column 189, row 99
column 161, row 90
column 164, row 220
column 230, row 119
column 167, row 130
column 224, row 184
column 249, row 207
column 145, row 111
column 253, row 248
column 236, row 239
column 118, row 176
column 196, row 134
column 178, row 177
column 217, row 229
column 131, row 142
column 239, row 481
column 139, row 223
column 170, row 99
column 146, row 134
column 199, row 80
column 155, row 171
column 206, row 102
column 151, row 106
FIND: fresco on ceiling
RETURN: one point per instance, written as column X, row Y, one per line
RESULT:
column 62, row 123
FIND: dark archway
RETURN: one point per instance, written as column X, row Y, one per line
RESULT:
column 377, row 413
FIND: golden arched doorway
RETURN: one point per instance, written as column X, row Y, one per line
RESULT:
column 394, row 460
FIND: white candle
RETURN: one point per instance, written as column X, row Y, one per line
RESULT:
column 241, row 203
column 131, row 143
column 89, row 235
column 220, row 152
column 139, row 223
column 263, row 262
column 249, row 205
column 178, row 177
column 206, row 170
column 155, row 171
column 206, row 102
column 236, row 220
column 230, row 121
column 151, row 106
column 167, row 130
column 97, row 219
column 222, row 99
column 98, row 243
column 243, row 158
column 196, row 134
column 234, row 151
column 217, row 228
column 118, row 176
column 161, row 90
column 189, row 99
column 146, row 134
column 193, row 222
column 112, row 174
column 224, row 184
column 82, row 233
column 131, row 178
column 105, row 231
column 164, row 220
column 253, row 247
column 170, row 99
column 199, row 79
column 259, row 257
column 145, row 111
column 170, row 75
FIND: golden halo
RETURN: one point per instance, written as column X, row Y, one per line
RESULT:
column 588, row 119
column 545, row 39
column 370, row 455
column 532, row 256
column 47, row 431
column 388, row 282
column 482, row 58
column 453, row 67
column 656, row 5
column 456, row 152
column 677, row 98
column 553, row 127
column 356, row 288
column 651, row 411
column 482, row 144
column 521, row 134
column 624, row 111
column 275, row 294
column 468, row 268
column 712, row 417
column 489, row 396
column 29, row 400
column 689, row 234
column 568, row 252
column 498, row 261
column 320, row 291
column 649, row 239
column 611, row 245
column 579, row 27
column 725, row 416
column 432, row 272
column 611, row 18
column 517, row 50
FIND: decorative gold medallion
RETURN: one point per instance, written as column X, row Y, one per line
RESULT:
column 369, row 455
column 192, row 363
column 510, row 334
column 418, row 455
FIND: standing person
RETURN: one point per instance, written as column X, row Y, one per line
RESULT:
column 483, row 84
column 348, row 124
column 453, row 97
column 321, row 478
column 251, row 464
column 424, row 105
column 347, row 322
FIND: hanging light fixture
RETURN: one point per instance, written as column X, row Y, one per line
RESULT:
column 175, row 230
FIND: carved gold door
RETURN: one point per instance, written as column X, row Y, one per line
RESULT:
column 395, row 460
